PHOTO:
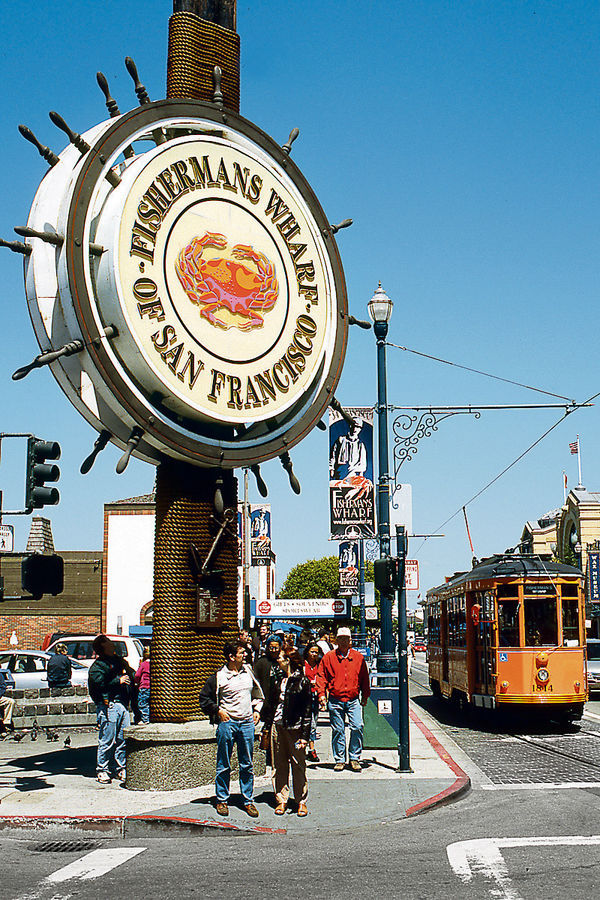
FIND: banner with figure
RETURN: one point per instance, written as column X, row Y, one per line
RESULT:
column 260, row 535
column 348, row 568
column 351, row 489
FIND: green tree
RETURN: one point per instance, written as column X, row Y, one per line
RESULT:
column 313, row 578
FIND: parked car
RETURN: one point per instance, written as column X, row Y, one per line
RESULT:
column 79, row 647
column 420, row 645
column 28, row 668
column 593, row 664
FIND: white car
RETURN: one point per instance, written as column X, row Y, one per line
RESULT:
column 79, row 647
column 28, row 668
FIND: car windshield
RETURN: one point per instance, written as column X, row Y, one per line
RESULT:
column 593, row 651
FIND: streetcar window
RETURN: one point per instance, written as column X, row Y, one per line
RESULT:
column 507, row 590
column 570, row 617
column 508, row 623
column 540, row 621
column 569, row 590
column 593, row 650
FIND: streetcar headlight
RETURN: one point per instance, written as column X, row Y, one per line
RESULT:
column 504, row 686
column 543, row 675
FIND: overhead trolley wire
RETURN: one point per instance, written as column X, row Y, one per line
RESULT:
column 447, row 362
column 513, row 463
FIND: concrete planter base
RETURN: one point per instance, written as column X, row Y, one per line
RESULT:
column 171, row 757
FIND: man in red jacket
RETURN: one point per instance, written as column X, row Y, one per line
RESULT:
column 344, row 678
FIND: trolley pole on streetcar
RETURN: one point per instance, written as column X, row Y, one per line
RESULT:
column 380, row 310
column 403, row 713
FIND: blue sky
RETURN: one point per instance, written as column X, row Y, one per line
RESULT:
column 462, row 139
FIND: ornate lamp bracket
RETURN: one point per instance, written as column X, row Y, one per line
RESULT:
column 416, row 423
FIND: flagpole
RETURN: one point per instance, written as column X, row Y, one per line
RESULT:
column 579, row 461
column 564, row 486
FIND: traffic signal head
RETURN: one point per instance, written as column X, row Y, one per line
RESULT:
column 42, row 574
column 386, row 574
column 37, row 494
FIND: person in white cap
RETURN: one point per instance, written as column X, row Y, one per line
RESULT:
column 343, row 687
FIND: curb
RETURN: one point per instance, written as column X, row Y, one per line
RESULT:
column 134, row 826
column 461, row 786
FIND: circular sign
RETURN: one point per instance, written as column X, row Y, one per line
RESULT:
column 338, row 606
column 264, row 607
column 213, row 308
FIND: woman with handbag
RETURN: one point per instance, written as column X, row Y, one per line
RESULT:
column 291, row 710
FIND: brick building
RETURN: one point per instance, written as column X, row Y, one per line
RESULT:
column 78, row 608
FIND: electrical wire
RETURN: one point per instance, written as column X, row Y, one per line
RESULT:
column 447, row 362
column 510, row 465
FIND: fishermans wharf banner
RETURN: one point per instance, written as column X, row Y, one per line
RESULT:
column 260, row 535
column 348, row 568
column 351, row 488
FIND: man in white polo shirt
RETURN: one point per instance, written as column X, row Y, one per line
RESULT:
column 232, row 698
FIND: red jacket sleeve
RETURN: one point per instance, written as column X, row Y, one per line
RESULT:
column 321, row 678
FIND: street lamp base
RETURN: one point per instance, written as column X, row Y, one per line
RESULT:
column 407, row 771
column 387, row 662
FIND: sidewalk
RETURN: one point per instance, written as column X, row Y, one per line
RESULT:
column 44, row 784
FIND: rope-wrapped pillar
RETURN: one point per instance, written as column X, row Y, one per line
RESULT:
column 182, row 655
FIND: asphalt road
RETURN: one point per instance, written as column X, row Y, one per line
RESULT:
column 505, row 840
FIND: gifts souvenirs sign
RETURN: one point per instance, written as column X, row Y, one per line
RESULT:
column 201, row 280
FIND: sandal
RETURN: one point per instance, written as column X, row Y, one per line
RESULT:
column 279, row 810
column 302, row 810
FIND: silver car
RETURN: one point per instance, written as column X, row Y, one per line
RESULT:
column 28, row 668
column 593, row 664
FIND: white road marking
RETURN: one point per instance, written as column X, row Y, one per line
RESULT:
column 540, row 786
column 591, row 715
column 483, row 857
column 92, row 865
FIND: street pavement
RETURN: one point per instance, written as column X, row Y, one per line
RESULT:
column 44, row 781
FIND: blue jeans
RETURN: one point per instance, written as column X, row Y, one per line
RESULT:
column 112, row 719
column 144, row 704
column 243, row 735
column 338, row 710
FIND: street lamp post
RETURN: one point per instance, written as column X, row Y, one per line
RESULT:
column 380, row 310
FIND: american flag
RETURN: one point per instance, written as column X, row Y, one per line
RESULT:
column 574, row 447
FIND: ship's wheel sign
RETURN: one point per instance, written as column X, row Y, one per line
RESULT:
column 213, row 310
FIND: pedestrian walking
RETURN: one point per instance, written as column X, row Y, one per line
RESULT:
column 109, row 682
column 58, row 670
column 324, row 641
column 343, row 687
column 410, row 655
column 142, row 680
column 232, row 698
column 7, row 706
column 244, row 637
column 312, row 657
column 259, row 641
column 289, row 720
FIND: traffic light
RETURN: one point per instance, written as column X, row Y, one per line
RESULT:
column 386, row 574
column 42, row 574
column 37, row 494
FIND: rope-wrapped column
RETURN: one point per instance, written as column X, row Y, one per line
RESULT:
column 182, row 655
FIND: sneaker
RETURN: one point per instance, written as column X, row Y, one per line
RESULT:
column 339, row 767
column 222, row 808
column 251, row 810
column 103, row 777
column 122, row 775
column 355, row 765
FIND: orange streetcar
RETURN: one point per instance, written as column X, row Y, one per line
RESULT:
column 510, row 634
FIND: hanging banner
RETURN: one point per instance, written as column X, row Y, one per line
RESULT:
column 594, row 576
column 351, row 489
column 348, row 568
column 313, row 608
column 260, row 535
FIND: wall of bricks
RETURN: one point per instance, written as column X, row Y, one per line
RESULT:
column 58, row 708
column 31, row 629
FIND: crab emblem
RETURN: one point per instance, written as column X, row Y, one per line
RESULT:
column 222, row 284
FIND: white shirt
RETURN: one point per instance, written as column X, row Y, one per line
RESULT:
column 238, row 693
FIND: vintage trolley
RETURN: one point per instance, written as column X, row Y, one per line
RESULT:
column 510, row 634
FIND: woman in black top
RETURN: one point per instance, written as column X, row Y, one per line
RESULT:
column 290, row 719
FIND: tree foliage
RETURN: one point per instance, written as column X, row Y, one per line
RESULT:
column 313, row 578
